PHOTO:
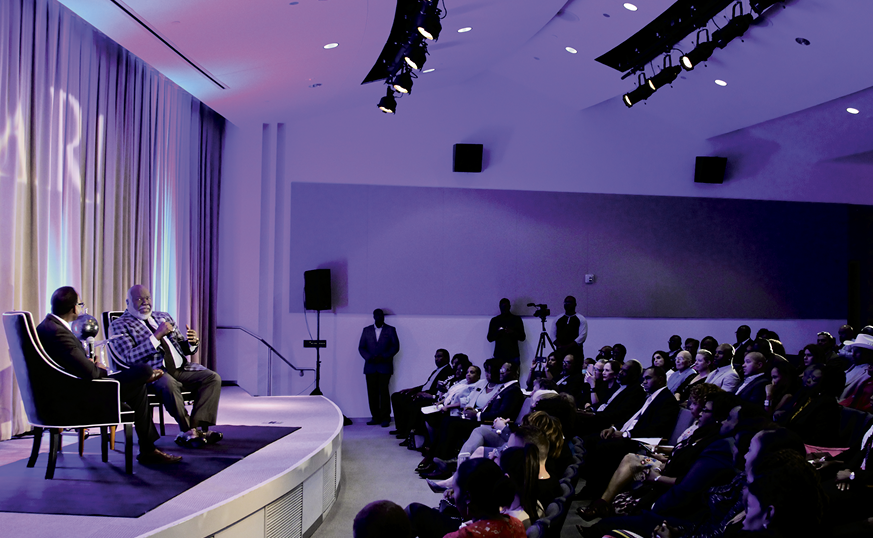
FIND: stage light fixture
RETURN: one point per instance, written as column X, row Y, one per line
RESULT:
column 667, row 75
column 403, row 82
column 700, row 54
column 758, row 6
column 388, row 104
column 429, row 24
column 416, row 56
column 735, row 28
column 641, row 93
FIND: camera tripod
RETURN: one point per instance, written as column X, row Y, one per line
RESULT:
column 544, row 338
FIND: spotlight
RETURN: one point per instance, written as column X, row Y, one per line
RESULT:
column 667, row 75
column 416, row 56
column 758, row 6
column 429, row 25
column 641, row 93
column 700, row 54
column 403, row 82
column 388, row 104
column 732, row 30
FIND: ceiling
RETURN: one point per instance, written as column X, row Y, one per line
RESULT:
column 270, row 55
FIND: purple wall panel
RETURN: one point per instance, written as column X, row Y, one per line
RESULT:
column 433, row 251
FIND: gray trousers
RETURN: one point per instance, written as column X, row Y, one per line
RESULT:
column 206, row 388
column 485, row 436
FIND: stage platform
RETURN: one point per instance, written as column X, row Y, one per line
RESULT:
column 283, row 490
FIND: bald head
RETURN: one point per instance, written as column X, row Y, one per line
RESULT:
column 139, row 302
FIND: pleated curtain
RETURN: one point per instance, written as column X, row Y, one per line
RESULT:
column 109, row 177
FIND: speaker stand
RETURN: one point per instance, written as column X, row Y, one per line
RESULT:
column 317, row 391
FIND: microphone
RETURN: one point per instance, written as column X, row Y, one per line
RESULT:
column 90, row 341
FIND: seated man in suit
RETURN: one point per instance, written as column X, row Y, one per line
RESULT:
column 655, row 418
column 151, row 338
column 623, row 403
column 754, row 387
column 407, row 401
column 65, row 349
column 572, row 381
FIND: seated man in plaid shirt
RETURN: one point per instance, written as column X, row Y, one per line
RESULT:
column 151, row 338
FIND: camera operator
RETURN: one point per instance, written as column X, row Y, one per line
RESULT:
column 506, row 331
column 571, row 331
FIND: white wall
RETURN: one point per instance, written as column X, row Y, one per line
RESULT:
column 343, row 381
column 531, row 144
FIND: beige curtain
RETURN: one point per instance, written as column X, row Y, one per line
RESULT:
column 109, row 177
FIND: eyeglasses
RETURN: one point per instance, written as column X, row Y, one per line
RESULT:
column 81, row 305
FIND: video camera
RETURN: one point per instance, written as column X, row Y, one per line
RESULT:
column 542, row 311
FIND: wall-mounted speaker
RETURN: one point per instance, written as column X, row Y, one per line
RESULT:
column 710, row 169
column 467, row 158
column 316, row 289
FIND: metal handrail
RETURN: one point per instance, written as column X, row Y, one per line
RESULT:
column 269, row 356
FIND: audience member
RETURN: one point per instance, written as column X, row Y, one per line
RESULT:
column 754, row 385
column 572, row 381
column 674, row 346
column 859, row 353
column 703, row 364
column 691, row 346
column 621, row 405
column 619, row 352
column 662, row 359
column 380, row 519
column 724, row 376
column 571, row 330
column 522, row 466
column 481, row 489
column 506, row 330
column 407, row 401
column 744, row 334
column 684, row 360
column 782, row 387
column 608, row 384
column 548, row 368
column 709, row 343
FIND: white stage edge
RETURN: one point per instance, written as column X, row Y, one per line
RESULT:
column 283, row 490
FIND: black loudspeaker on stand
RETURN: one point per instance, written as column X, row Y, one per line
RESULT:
column 316, row 292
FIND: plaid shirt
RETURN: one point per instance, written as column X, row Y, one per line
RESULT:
column 137, row 346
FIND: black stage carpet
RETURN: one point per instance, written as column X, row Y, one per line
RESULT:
column 88, row 487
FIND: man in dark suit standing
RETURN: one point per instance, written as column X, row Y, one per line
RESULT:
column 571, row 331
column 378, row 346
column 65, row 349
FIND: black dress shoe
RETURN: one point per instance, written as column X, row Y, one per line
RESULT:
column 386, row 424
column 211, row 437
column 157, row 457
column 405, row 442
column 373, row 423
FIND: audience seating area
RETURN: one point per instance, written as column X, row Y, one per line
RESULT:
column 787, row 425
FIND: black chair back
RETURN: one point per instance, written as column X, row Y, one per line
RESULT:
column 108, row 317
column 54, row 398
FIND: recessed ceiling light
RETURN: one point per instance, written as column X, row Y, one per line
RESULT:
column 571, row 50
column 852, row 110
column 464, row 30
column 427, row 70
column 630, row 7
column 331, row 45
column 720, row 82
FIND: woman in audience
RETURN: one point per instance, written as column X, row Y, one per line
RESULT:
column 460, row 362
column 481, row 489
column 550, row 369
column 703, row 365
column 783, row 386
column 522, row 466
column 662, row 359
column 811, row 354
column 815, row 413
column 635, row 469
column 607, row 386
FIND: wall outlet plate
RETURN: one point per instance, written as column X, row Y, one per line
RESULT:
column 589, row 279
